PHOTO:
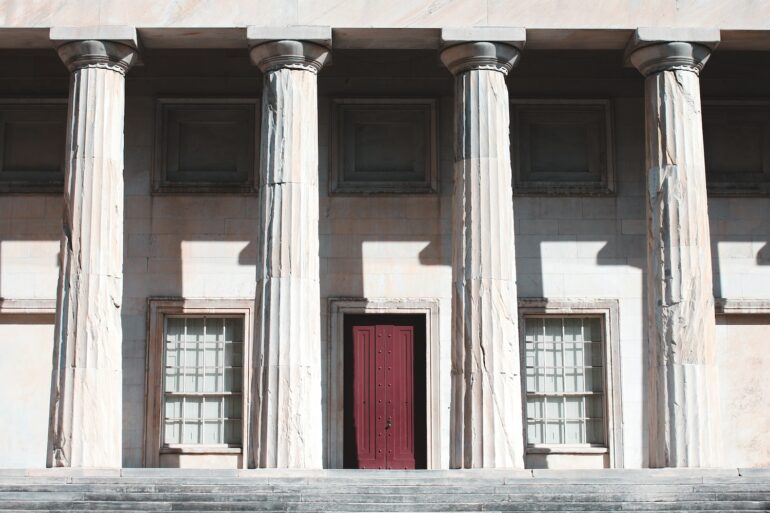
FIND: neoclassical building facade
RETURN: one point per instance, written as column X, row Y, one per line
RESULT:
column 273, row 236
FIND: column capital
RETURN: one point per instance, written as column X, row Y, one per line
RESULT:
column 485, row 55
column 652, row 50
column 289, row 53
column 110, row 47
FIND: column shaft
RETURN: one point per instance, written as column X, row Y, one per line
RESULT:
column 287, row 410
column 86, row 399
column 486, row 413
column 684, row 417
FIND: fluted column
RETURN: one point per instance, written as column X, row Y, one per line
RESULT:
column 486, row 415
column 86, row 397
column 287, row 375
column 684, row 391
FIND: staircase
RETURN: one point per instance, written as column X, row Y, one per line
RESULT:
column 385, row 491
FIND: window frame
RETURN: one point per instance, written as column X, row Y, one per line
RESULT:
column 159, row 309
column 607, row 312
column 528, row 187
column 161, row 185
column 338, row 185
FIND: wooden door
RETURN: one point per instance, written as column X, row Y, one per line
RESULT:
column 383, row 396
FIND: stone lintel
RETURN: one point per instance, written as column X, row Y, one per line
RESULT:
column 123, row 34
column 643, row 37
column 319, row 35
column 511, row 36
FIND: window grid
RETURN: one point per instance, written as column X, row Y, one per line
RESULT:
column 194, row 407
column 549, row 408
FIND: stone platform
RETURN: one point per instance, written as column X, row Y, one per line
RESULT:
column 380, row 491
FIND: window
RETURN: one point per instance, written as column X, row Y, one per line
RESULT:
column 562, row 147
column 197, row 371
column 384, row 146
column 32, row 144
column 565, row 381
column 571, row 375
column 203, row 381
column 205, row 145
column 736, row 141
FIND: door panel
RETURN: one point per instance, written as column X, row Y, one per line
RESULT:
column 400, row 436
column 383, row 396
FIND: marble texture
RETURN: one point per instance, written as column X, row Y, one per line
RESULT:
column 486, row 421
column 554, row 21
column 86, row 395
column 684, row 418
column 286, row 406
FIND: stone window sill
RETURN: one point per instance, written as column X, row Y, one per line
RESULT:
column 566, row 449
column 200, row 449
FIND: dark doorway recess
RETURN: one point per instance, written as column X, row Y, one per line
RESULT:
column 385, row 386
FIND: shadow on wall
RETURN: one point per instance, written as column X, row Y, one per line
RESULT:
column 178, row 246
column 365, row 256
column 586, row 247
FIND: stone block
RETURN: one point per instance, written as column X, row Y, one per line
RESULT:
column 646, row 36
column 321, row 35
column 123, row 34
column 513, row 36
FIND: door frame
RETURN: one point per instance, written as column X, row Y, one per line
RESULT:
column 334, row 431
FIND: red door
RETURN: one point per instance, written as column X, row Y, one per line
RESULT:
column 383, row 396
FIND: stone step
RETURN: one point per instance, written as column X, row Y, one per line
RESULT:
column 378, row 492
column 390, row 507
column 184, row 495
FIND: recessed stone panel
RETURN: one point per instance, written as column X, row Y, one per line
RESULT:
column 561, row 147
column 205, row 145
column 384, row 146
column 736, row 140
column 32, row 144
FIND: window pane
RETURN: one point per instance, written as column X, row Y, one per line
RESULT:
column 172, row 380
column 534, row 329
column 535, row 431
column 574, row 432
column 574, row 407
column 212, row 408
column 593, row 354
column 592, row 329
column 595, row 432
column 232, row 432
column 212, row 432
column 553, row 433
column 233, row 380
column 535, row 407
column 173, row 407
column 594, row 382
column 573, row 328
column 554, row 408
column 172, row 432
column 552, row 330
column 192, row 432
column 233, row 407
column 594, row 407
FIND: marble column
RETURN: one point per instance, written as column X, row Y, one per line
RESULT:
column 86, row 396
column 486, row 415
column 286, row 409
column 683, row 393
